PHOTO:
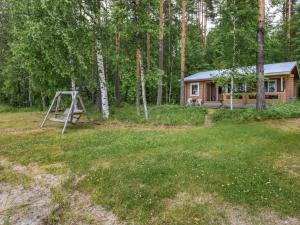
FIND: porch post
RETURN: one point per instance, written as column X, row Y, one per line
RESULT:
column 281, row 82
column 217, row 93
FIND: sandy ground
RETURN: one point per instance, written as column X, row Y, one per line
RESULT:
column 33, row 204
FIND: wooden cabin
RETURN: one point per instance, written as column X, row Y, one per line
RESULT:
column 281, row 81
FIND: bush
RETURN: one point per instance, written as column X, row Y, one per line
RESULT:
column 6, row 108
column 275, row 111
column 162, row 115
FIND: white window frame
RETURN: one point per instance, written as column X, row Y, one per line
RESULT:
column 268, row 89
column 198, row 92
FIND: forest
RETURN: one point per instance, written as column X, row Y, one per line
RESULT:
column 147, row 149
column 45, row 45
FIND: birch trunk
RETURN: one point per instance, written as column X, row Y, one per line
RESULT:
column 102, row 80
column 260, row 91
column 148, row 53
column 74, row 89
column 117, row 76
column 161, row 52
column 137, row 84
column 143, row 85
column 183, row 40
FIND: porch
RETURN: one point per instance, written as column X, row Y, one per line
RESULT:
column 250, row 98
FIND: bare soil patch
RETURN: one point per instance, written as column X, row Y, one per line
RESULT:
column 290, row 125
column 34, row 203
column 289, row 164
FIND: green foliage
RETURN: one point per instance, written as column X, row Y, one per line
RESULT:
column 220, row 40
column 275, row 111
column 296, row 34
column 45, row 44
column 170, row 115
column 8, row 108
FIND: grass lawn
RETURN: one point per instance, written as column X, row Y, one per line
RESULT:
column 151, row 174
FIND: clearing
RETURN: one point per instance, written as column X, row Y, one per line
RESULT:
column 125, row 173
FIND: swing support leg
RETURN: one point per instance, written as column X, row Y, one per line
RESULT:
column 53, row 101
column 71, row 111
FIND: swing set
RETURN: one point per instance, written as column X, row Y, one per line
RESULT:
column 71, row 114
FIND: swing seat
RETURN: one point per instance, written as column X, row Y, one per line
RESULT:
column 76, row 116
column 68, row 116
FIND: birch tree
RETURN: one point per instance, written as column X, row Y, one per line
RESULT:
column 102, row 81
column 143, row 86
column 161, row 52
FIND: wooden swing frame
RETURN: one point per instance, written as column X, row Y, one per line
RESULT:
column 73, row 111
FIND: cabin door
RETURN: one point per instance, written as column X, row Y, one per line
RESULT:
column 211, row 92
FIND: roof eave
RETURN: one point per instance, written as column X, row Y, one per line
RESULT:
column 267, row 74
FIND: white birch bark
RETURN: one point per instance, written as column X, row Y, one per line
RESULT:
column 143, row 87
column 74, row 89
column 231, row 93
column 102, row 80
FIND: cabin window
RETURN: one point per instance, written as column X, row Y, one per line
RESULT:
column 271, row 86
column 194, row 89
column 240, row 87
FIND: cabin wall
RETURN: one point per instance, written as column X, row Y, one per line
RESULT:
column 202, row 91
column 288, row 93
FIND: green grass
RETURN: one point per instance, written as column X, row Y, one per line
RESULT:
column 275, row 111
column 134, row 171
column 7, row 108
column 13, row 178
column 168, row 115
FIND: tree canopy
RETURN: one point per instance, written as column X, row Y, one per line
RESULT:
column 46, row 44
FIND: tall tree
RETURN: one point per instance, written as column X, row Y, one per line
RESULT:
column 117, row 74
column 161, row 52
column 260, row 90
column 143, row 85
column 289, row 21
column 183, row 42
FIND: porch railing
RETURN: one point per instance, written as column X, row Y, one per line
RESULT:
column 250, row 98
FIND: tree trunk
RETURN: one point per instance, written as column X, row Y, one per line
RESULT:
column 73, row 88
column 143, row 84
column 183, row 40
column 117, row 75
column 44, row 104
column 260, row 91
column 137, row 84
column 98, row 100
column 29, row 92
column 170, row 61
column 148, row 44
column 161, row 52
column 289, row 18
column 102, row 80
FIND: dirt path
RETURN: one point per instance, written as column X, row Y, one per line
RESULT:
column 34, row 204
column 208, row 121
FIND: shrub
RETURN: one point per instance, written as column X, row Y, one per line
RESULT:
column 162, row 115
column 275, row 111
column 7, row 108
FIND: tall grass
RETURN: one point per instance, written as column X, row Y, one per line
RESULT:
column 161, row 115
column 275, row 111
column 7, row 108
